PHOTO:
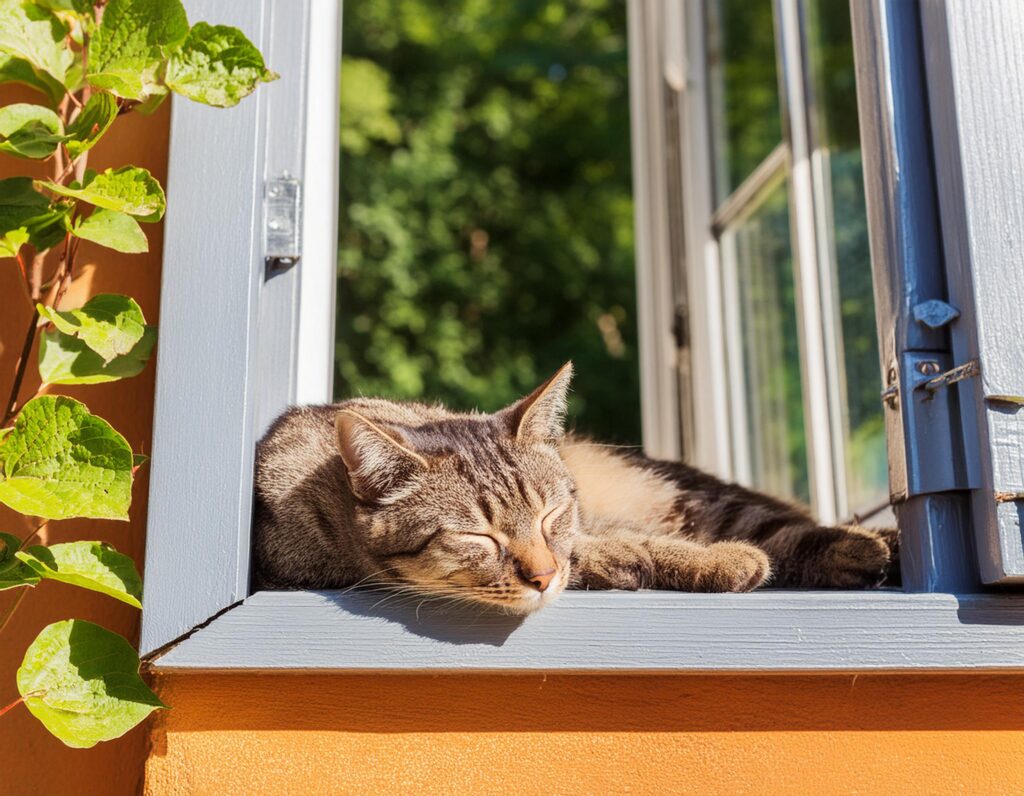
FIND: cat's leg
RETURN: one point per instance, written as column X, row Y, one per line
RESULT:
column 840, row 557
column 803, row 553
column 634, row 561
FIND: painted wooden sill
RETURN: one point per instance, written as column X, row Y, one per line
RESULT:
column 641, row 632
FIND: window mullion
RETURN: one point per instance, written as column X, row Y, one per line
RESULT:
column 660, row 406
column 818, row 421
column 749, row 193
column 318, row 269
column 712, row 448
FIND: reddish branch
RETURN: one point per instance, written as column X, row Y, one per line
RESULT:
column 63, row 167
column 12, row 608
column 19, row 369
column 14, row 704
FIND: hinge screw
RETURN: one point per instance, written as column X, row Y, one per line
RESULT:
column 891, row 392
column 928, row 368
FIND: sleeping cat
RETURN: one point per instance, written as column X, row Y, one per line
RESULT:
column 508, row 509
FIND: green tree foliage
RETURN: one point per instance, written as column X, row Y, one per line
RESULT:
column 486, row 221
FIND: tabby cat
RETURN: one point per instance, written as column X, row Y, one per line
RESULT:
column 508, row 509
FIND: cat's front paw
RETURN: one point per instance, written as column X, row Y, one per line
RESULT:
column 859, row 559
column 734, row 566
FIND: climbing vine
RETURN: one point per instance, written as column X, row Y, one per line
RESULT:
column 91, row 63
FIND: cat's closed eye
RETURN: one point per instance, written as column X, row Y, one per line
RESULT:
column 552, row 516
column 483, row 538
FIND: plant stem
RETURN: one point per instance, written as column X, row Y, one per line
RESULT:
column 35, row 283
column 63, row 276
column 33, row 535
column 66, row 170
column 19, row 369
column 66, row 266
column 11, row 609
column 14, row 704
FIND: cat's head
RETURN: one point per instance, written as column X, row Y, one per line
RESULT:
column 473, row 506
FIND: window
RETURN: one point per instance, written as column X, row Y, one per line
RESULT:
column 747, row 243
column 786, row 225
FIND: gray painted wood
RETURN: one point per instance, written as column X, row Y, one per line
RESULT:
column 276, row 340
column 660, row 397
column 215, row 356
column 699, row 269
column 976, row 97
column 907, row 268
column 617, row 632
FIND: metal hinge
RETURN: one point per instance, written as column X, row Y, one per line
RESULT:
column 926, row 447
column 283, row 213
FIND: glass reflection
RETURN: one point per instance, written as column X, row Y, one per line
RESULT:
column 770, row 444
column 744, row 89
column 838, row 171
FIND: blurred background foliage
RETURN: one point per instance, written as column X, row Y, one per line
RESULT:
column 486, row 231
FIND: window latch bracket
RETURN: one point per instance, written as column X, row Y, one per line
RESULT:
column 926, row 446
column 952, row 376
column 282, row 210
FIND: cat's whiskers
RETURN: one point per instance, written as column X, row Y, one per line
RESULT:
column 361, row 581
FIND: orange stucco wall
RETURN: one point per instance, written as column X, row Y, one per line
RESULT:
column 319, row 734
column 323, row 734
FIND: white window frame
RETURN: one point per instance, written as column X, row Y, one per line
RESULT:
column 235, row 345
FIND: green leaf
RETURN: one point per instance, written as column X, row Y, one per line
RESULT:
column 27, row 215
column 29, row 131
column 29, row 33
column 82, row 682
column 61, row 461
column 12, row 241
column 128, row 189
column 91, row 123
column 150, row 106
column 81, row 7
column 17, row 70
column 114, row 230
column 217, row 65
column 92, row 565
column 64, row 359
column 129, row 51
column 14, row 573
column 109, row 324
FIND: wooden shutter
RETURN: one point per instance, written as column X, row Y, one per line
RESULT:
column 973, row 53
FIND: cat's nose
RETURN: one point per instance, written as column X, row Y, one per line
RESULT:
column 541, row 580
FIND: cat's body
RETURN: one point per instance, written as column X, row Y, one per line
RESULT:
column 506, row 509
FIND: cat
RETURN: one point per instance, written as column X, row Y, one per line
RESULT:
column 508, row 509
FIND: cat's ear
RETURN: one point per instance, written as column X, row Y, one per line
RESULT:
column 541, row 414
column 377, row 461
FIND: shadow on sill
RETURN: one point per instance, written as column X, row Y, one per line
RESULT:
column 432, row 617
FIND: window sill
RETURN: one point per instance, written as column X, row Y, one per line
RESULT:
column 613, row 632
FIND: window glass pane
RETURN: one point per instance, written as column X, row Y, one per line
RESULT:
column 486, row 230
column 837, row 162
column 744, row 89
column 770, row 443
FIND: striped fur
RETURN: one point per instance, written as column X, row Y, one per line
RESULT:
column 506, row 509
